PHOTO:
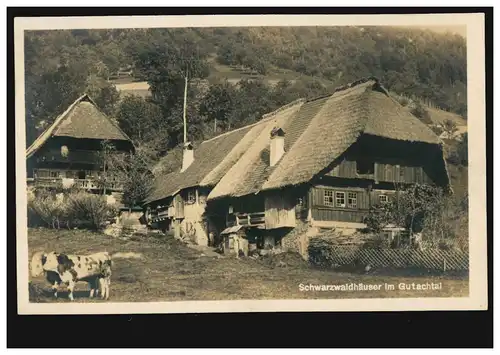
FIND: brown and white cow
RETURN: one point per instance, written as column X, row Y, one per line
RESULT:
column 66, row 269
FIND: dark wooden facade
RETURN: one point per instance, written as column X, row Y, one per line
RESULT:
column 345, row 204
column 83, row 163
column 369, row 173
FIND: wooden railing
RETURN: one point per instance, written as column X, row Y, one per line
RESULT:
column 250, row 219
column 85, row 184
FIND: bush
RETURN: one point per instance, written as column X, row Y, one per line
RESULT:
column 46, row 210
column 90, row 209
column 459, row 156
column 447, row 228
column 442, row 219
column 421, row 113
column 69, row 210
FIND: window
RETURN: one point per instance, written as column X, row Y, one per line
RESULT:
column 401, row 171
column 383, row 198
column 328, row 198
column 54, row 174
column 191, row 197
column 365, row 167
column 352, row 200
column 340, row 199
column 42, row 173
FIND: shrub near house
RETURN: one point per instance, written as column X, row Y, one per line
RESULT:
column 68, row 210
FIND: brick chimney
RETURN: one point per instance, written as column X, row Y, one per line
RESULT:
column 187, row 156
column 277, row 145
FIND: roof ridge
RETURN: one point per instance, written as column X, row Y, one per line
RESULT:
column 283, row 108
column 348, row 86
column 264, row 118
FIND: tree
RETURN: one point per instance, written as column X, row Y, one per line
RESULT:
column 252, row 100
column 103, row 93
column 260, row 66
column 140, row 119
column 218, row 104
column 419, row 208
column 133, row 172
column 463, row 150
column 461, row 155
column 421, row 113
column 165, row 67
column 60, row 64
column 449, row 127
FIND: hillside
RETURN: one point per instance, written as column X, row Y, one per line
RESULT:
column 272, row 66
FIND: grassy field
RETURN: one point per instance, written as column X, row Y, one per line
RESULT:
column 164, row 269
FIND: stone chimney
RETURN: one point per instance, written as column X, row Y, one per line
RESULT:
column 187, row 156
column 277, row 145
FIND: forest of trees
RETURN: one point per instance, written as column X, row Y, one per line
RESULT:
column 62, row 65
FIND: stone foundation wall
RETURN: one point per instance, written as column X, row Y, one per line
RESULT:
column 297, row 240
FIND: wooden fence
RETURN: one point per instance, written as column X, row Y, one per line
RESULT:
column 351, row 255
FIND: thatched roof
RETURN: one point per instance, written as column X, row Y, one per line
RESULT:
column 212, row 159
column 363, row 108
column 252, row 170
column 82, row 119
column 207, row 156
column 316, row 133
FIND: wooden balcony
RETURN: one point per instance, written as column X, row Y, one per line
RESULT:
column 85, row 184
column 251, row 219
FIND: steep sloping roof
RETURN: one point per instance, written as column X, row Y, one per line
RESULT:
column 316, row 133
column 365, row 108
column 82, row 119
column 164, row 186
column 248, row 174
column 212, row 159
column 207, row 156
column 388, row 119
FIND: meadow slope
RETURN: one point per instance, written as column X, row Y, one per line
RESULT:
column 170, row 271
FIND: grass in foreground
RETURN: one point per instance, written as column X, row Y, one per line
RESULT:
column 171, row 271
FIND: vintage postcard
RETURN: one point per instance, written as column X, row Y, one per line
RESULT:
column 177, row 164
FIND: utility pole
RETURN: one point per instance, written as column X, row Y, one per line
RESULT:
column 184, row 114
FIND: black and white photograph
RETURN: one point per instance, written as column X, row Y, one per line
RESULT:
column 311, row 161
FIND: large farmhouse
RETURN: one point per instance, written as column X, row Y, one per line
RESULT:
column 68, row 152
column 316, row 163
